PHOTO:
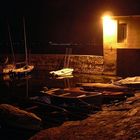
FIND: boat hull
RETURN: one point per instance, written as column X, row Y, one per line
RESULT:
column 62, row 72
column 131, row 82
column 18, row 71
column 102, row 87
column 73, row 97
column 110, row 92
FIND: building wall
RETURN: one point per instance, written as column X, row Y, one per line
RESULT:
column 133, row 33
column 132, row 41
column 109, row 48
column 110, row 61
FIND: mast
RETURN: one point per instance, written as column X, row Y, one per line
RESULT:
column 25, row 43
column 67, row 57
column 11, row 44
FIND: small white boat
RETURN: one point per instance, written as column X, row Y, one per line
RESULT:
column 62, row 72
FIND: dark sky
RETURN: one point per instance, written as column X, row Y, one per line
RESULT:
column 64, row 20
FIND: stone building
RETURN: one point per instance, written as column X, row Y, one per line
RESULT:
column 121, row 45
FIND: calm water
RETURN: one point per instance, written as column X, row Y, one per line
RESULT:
column 15, row 89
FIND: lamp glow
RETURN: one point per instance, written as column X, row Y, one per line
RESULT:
column 109, row 26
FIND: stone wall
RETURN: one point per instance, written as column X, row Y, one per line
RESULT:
column 81, row 63
column 110, row 61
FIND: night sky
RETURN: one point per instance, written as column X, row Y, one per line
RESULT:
column 75, row 21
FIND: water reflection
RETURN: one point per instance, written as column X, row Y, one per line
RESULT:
column 14, row 88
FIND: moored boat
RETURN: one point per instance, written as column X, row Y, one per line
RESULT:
column 62, row 72
column 73, row 96
column 110, row 91
column 13, row 70
column 17, row 68
column 131, row 82
column 102, row 87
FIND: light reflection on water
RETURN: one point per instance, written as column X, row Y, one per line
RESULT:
column 17, row 88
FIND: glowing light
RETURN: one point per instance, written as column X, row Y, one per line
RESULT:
column 109, row 26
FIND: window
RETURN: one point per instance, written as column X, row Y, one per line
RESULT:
column 122, row 32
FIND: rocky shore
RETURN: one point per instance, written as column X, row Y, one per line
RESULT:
column 117, row 121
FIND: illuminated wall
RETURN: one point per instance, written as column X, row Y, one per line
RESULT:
column 109, row 43
column 119, row 32
column 133, row 36
column 109, row 32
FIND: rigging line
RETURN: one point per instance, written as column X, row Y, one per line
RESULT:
column 11, row 43
column 25, row 44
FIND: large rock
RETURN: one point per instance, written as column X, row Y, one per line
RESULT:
column 13, row 116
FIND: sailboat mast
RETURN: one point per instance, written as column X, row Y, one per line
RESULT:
column 11, row 44
column 25, row 43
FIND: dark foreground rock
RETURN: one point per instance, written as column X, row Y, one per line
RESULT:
column 13, row 116
column 120, row 121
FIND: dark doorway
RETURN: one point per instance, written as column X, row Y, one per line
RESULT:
column 128, row 62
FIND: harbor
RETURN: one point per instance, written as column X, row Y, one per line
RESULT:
column 24, row 93
column 69, row 70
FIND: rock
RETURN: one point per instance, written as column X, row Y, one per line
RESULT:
column 13, row 116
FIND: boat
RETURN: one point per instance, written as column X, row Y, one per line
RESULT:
column 131, row 82
column 21, row 67
column 102, row 87
column 65, row 72
column 110, row 91
column 109, row 96
column 14, row 70
column 74, row 96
